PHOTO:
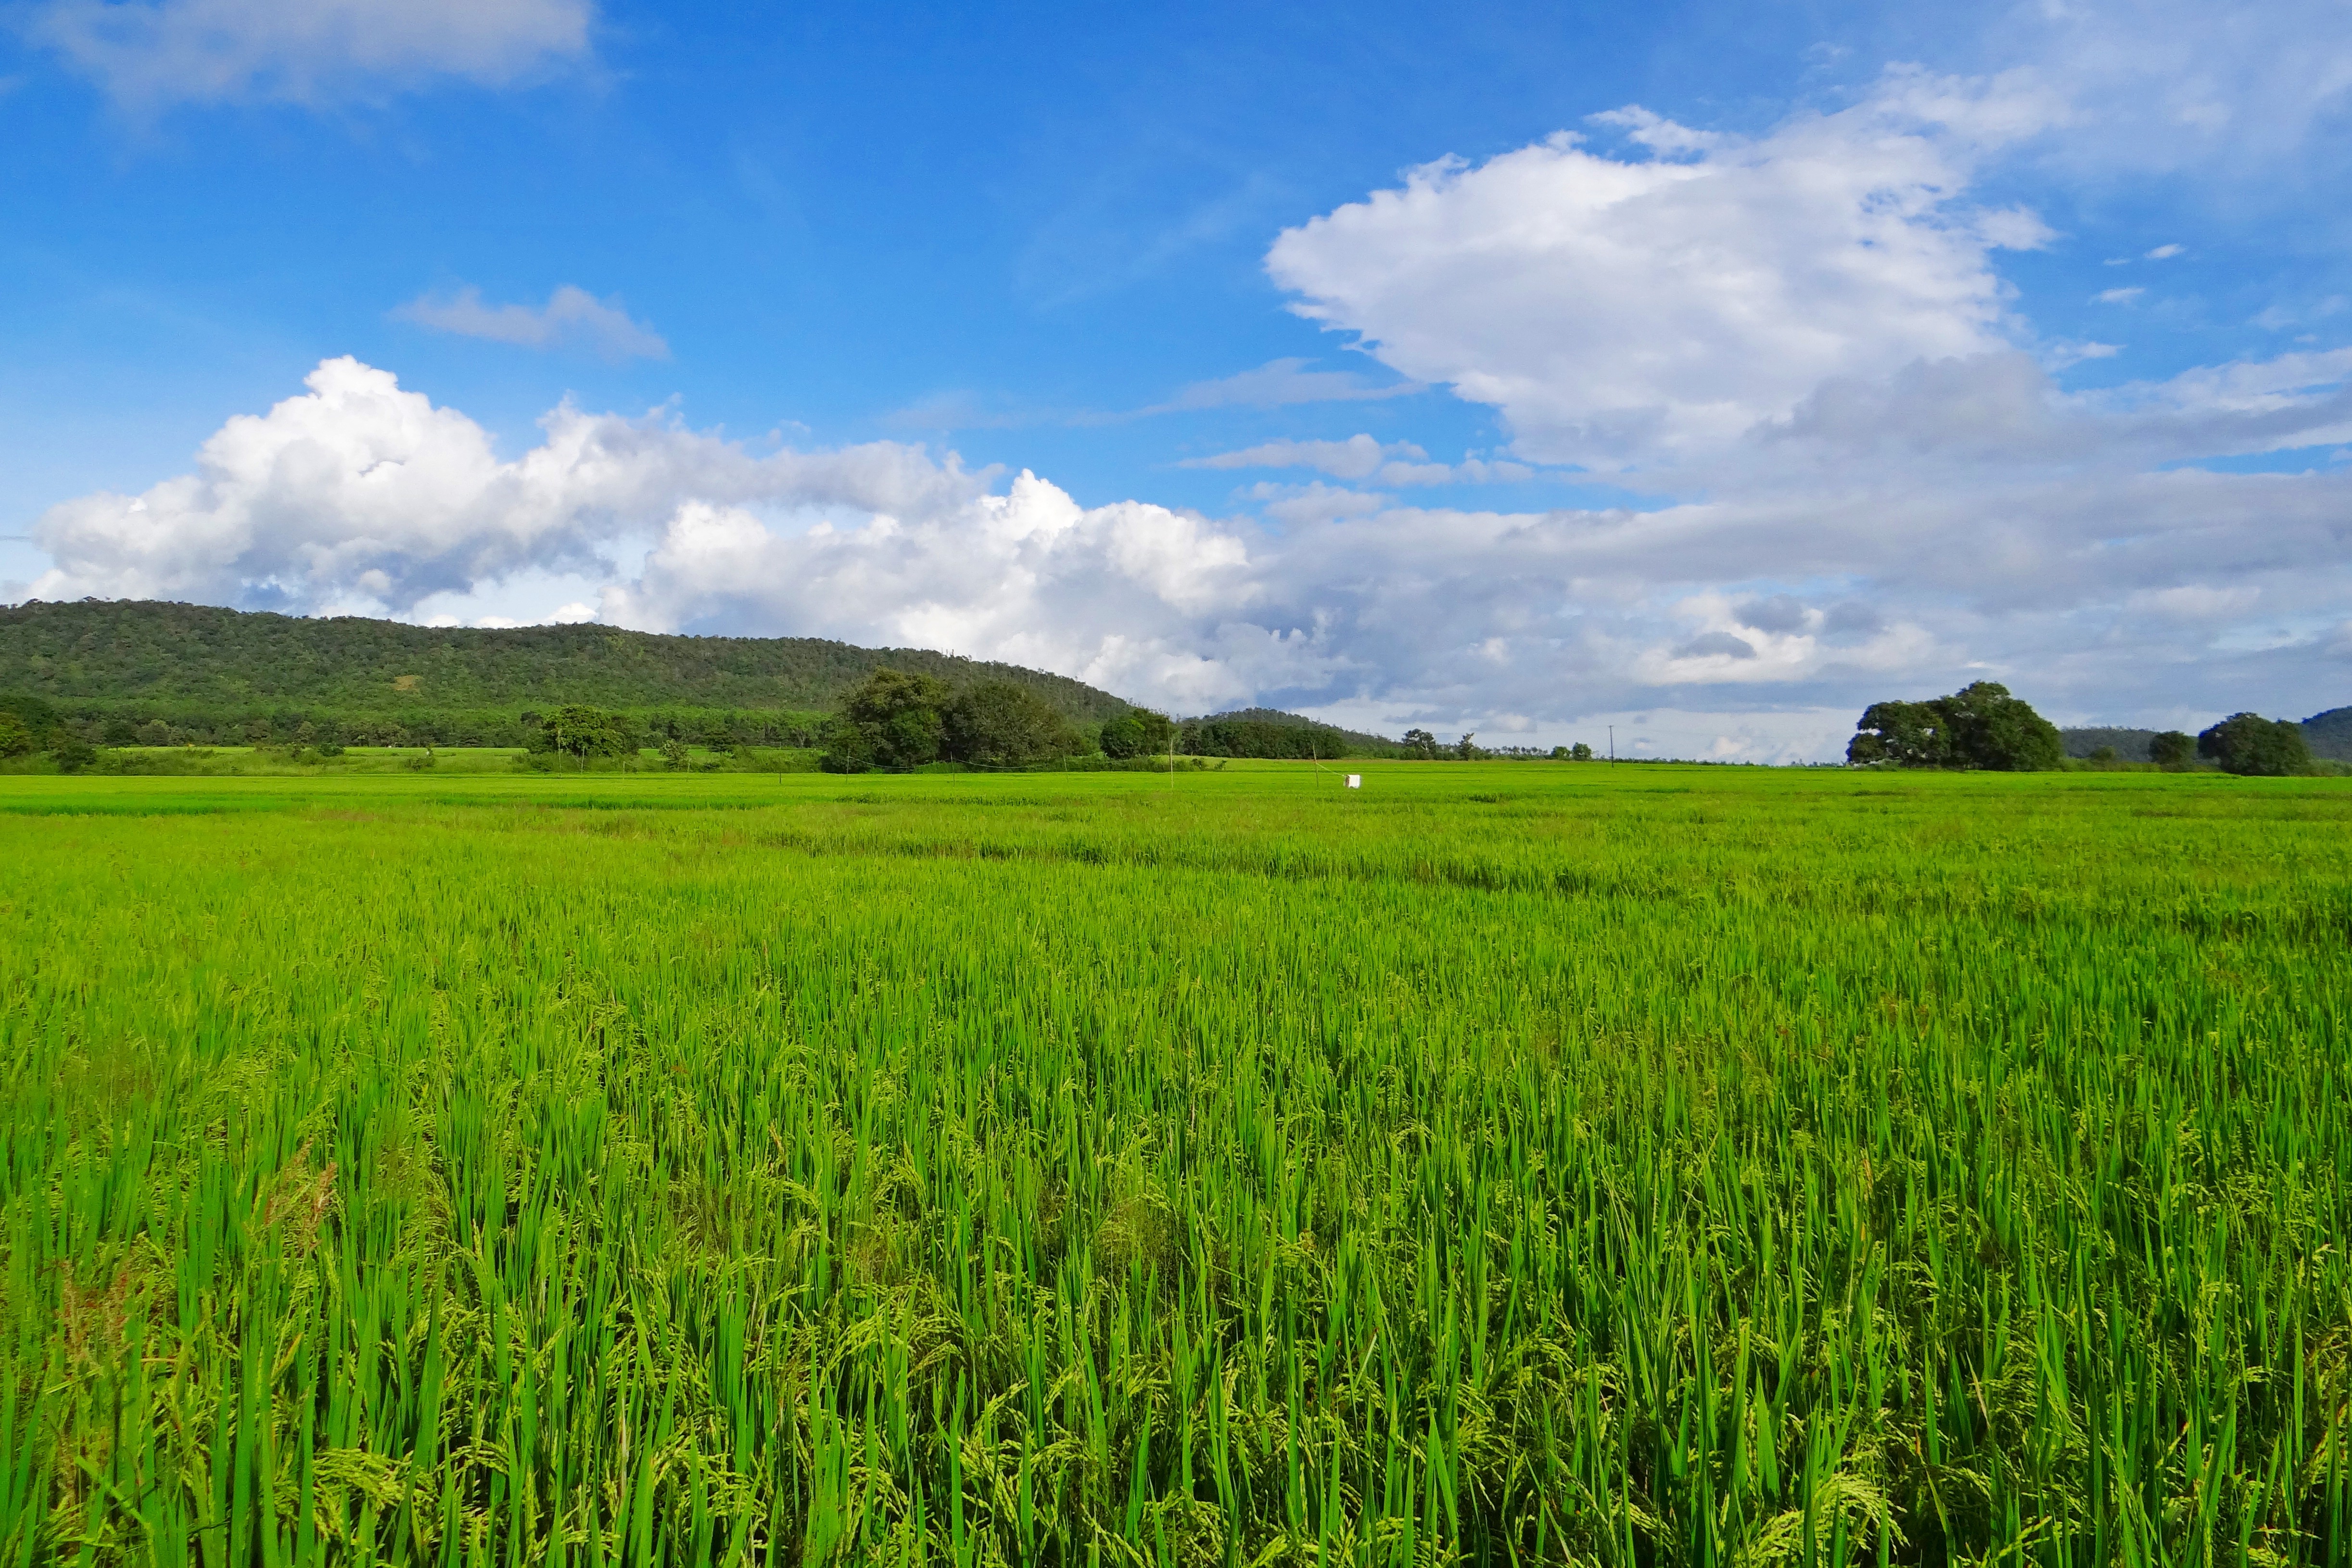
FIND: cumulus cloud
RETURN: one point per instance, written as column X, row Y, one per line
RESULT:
column 1620, row 310
column 1131, row 596
column 361, row 493
column 1898, row 535
column 150, row 54
column 571, row 318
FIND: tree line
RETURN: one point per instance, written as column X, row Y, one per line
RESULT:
column 1982, row 725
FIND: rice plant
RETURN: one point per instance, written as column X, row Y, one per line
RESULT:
column 1520, row 1165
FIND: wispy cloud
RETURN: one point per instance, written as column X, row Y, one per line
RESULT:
column 150, row 54
column 571, row 318
column 2117, row 296
column 1278, row 383
column 1360, row 456
column 1357, row 458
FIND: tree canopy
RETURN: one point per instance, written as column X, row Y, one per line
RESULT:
column 998, row 724
column 897, row 719
column 1268, row 732
column 1978, row 726
column 2251, row 744
column 578, row 730
column 1138, row 733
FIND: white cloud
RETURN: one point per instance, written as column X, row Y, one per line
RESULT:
column 359, row 493
column 1957, row 519
column 1360, row 457
column 2164, row 253
column 2117, row 295
column 1278, row 383
column 571, row 318
column 150, row 54
column 2164, row 85
column 1619, row 310
column 2061, row 355
column 1357, row 458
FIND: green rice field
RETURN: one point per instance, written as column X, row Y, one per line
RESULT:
column 1532, row 1163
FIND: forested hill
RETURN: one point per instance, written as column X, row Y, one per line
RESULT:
column 2330, row 735
column 121, row 653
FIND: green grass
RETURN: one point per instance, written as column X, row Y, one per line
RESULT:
column 1510, row 1163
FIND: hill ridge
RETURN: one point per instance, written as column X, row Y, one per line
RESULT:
column 110, row 654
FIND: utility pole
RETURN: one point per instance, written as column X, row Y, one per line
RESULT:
column 1613, row 742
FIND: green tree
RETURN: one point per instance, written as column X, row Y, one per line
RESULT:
column 848, row 747
column 1978, row 726
column 1138, row 733
column 999, row 724
column 70, row 752
column 1992, row 728
column 1464, row 751
column 15, row 736
column 1421, row 744
column 2173, row 749
column 892, row 720
column 672, row 753
column 1579, row 752
column 1900, row 734
column 580, row 732
column 2251, row 744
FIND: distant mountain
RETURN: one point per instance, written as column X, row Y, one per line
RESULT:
column 2330, row 735
column 115, row 656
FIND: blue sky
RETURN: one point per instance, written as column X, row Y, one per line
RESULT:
column 1708, row 369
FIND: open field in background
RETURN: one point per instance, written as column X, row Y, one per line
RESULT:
column 1513, row 1164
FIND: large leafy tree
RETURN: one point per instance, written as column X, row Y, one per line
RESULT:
column 999, row 724
column 1138, row 733
column 581, row 732
column 15, row 738
column 1901, row 734
column 2171, row 749
column 1978, row 726
column 892, row 720
column 2250, row 743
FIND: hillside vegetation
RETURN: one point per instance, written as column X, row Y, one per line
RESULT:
column 100, row 657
